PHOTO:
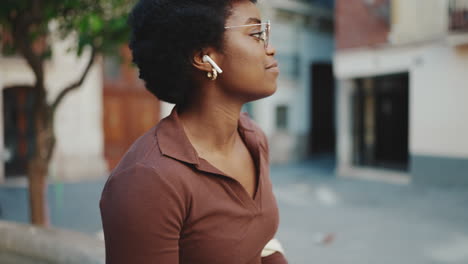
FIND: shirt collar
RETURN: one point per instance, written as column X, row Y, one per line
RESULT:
column 173, row 141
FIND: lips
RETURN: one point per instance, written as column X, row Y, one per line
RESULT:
column 272, row 65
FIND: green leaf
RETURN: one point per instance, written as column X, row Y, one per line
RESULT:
column 101, row 23
column 95, row 23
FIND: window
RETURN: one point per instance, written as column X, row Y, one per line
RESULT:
column 282, row 117
column 19, row 129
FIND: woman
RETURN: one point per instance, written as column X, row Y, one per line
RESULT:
column 196, row 188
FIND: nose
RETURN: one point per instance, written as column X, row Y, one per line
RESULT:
column 270, row 50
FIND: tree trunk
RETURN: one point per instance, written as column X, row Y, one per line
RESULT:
column 38, row 166
column 37, row 174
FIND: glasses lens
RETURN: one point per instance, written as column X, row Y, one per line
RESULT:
column 267, row 33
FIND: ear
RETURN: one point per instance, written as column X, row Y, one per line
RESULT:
column 197, row 59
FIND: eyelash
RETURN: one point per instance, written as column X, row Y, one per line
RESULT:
column 257, row 35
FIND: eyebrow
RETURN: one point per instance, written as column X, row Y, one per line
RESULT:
column 253, row 20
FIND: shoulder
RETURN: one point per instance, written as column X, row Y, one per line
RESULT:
column 140, row 192
column 145, row 159
column 145, row 182
column 138, row 204
column 145, row 171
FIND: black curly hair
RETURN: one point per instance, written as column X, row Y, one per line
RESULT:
column 165, row 33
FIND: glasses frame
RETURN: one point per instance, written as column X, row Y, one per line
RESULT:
column 265, row 33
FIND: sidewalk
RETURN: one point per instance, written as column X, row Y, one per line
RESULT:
column 367, row 222
column 72, row 206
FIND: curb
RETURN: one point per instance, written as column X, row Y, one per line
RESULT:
column 50, row 245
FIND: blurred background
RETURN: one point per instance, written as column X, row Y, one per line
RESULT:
column 368, row 129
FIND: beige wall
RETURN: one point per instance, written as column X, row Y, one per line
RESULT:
column 418, row 20
column 80, row 142
column 79, row 149
column 439, row 110
column 292, row 37
column 438, row 91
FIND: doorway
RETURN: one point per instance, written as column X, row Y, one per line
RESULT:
column 322, row 110
column 129, row 110
column 380, row 122
column 18, row 129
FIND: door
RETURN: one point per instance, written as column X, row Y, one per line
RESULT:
column 322, row 133
column 380, row 119
column 18, row 129
column 129, row 109
column 391, row 119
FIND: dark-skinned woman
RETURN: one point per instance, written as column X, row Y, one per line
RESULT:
column 195, row 189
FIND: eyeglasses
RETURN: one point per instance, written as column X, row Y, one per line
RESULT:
column 263, row 35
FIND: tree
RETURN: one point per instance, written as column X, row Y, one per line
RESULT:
column 100, row 25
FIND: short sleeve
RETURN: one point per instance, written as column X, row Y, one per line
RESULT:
column 142, row 216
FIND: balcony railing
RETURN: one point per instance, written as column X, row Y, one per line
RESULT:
column 458, row 15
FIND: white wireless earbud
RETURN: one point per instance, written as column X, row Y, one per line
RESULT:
column 207, row 58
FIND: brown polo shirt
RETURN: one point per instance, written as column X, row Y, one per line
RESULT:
column 165, row 204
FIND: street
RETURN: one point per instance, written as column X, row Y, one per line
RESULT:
column 331, row 220
column 324, row 218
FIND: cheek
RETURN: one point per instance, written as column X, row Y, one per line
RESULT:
column 246, row 66
column 244, row 73
column 249, row 80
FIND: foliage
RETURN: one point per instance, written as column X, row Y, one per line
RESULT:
column 101, row 24
column 28, row 28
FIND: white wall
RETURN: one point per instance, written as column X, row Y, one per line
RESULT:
column 438, row 92
column 440, row 96
column 418, row 20
column 295, row 92
column 79, row 150
column 165, row 109
column 80, row 141
column 292, row 36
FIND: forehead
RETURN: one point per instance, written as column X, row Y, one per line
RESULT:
column 241, row 12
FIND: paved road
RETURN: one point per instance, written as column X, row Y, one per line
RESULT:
column 360, row 221
column 367, row 222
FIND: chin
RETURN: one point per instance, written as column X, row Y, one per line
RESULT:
column 270, row 92
column 263, row 93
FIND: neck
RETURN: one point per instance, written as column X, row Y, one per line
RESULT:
column 211, row 125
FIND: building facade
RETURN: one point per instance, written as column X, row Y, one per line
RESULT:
column 78, row 126
column 401, row 90
column 298, row 118
column 129, row 110
column 94, row 125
